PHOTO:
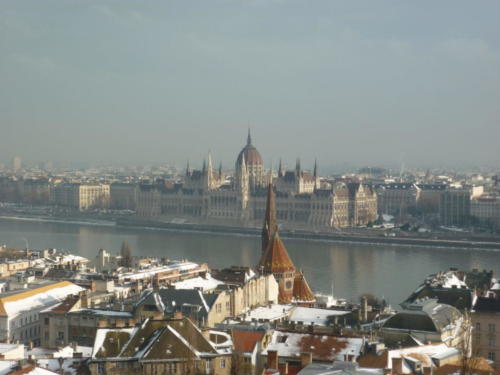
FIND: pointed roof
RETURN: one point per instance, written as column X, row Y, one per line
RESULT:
column 270, row 226
column 301, row 290
column 252, row 156
column 276, row 258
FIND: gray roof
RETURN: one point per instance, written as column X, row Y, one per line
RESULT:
column 338, row 368
column 424, row 315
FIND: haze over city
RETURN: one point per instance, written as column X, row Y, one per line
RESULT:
column 347, row 82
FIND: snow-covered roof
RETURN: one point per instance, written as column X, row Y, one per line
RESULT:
column 151, row 272
column 203, row 283
column 7, row 347
column 120, row 314
column 269, row 313
column 308, row 315
column 424, row 353
column 46, row 295
column 7, row 366
column 290, row 344
column 40, row 371
column 100, row 336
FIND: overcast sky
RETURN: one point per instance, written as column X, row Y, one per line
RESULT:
column 349, row 82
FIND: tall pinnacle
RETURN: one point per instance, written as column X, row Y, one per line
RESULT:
column 249, row 138
column 270, row 227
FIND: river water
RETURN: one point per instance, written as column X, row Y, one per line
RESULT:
column 348, row 269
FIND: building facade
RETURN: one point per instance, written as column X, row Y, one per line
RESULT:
column 205, row 197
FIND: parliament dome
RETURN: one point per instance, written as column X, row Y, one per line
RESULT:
column 252, row 156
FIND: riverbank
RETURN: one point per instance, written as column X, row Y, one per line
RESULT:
column 321, row 236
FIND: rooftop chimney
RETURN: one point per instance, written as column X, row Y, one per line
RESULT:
column 305, row 359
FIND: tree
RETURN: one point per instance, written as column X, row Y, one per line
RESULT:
column 126, row 253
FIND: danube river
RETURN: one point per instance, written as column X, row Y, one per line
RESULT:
column 349, row 269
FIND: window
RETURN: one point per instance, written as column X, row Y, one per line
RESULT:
column 478, row 326
column 491, row 342
column 491, row 356
column 101, row 368
column 222, row 363
column 491, row 328
column 60, row 335
column 171, row 368
column 208, row 366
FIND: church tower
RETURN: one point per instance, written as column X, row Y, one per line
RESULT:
column 270, row 223
column 275, row 260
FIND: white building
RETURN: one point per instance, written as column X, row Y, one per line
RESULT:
column 20, row 310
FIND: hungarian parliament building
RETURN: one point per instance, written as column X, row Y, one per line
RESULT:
column 302, row 200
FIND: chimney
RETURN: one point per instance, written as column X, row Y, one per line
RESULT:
column 178, row 315
column 428, row 370
column 272, row 359
column 397, row 366
column 305, row 359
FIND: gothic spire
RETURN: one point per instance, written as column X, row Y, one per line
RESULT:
column 315, row 168
column 280, row 170
column 188, row 169
column 204, row 168
column 270, row 227
column 297, row 167
column 249, row 138
column 220, row 170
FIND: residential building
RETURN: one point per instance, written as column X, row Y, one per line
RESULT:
column 20, row 309
column 166, row 346
column 486, row 326
column 426, row 321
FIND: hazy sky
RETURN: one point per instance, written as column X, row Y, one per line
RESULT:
column 359, row 82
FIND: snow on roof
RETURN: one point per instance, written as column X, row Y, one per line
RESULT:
column 7, row 347
column 52, row 366
column 46, row 295
column 203, row 283
column 7, row 366
column 432, row 350
column 269, row 313
column 39, row 371
column 123, row 314
column 308, row 315
column 100, row 336
column 68, row 258
column 289, row 344
column 151, row 272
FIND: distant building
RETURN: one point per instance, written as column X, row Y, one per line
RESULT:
column 398, row 198
column 455, row 205
column 122, row 196
column 205, row 197
column 17, row 164
column 82, row 196
column 486, row 209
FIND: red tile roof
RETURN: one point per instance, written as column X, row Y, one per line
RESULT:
column 276, row 258
column 245, row 341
